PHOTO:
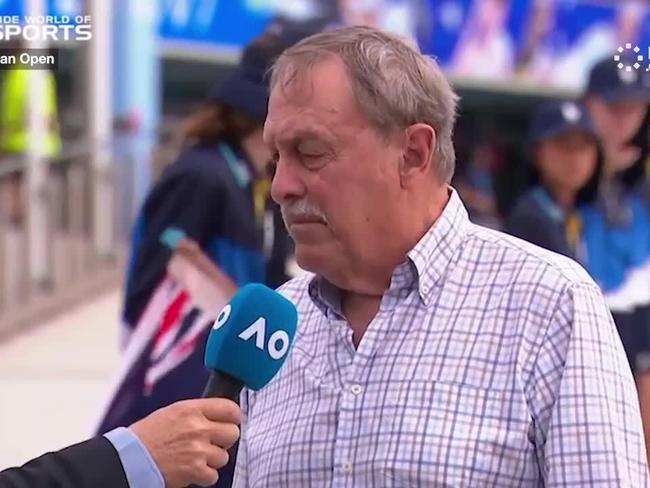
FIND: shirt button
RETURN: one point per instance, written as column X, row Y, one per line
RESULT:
column 425, row 289
column 346, row 467
column 356, row 389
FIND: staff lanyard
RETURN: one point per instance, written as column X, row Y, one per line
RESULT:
column 572, row 222
column 243, row 177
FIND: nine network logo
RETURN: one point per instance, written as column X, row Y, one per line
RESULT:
column 629, row 54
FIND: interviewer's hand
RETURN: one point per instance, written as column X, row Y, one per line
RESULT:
column 188, row 440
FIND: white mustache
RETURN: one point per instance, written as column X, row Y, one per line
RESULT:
column 302, row 209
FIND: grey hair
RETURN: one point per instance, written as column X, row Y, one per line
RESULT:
column 395, row 85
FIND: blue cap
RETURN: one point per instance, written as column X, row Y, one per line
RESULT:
column 252, row 336
column 246, row 88
column 619, row 80
column 558, row 117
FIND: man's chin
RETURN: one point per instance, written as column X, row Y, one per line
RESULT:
column 309, row 233
column 309, row 258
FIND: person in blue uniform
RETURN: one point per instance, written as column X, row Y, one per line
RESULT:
column 618, row 101
column 617, row 234
column 564, row 175
column 216, row 195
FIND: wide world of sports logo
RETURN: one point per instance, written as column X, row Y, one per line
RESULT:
column 45, row 28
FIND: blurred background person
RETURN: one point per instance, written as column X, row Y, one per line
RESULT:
column 599, row 40
column 565, row 170
column 14, row 129
column 474, row 180
column 616, row 229
column 211, row 192
column 543, row 43
column 619, row 103
column 485, row 47
column 398, row 16
column 216, row 196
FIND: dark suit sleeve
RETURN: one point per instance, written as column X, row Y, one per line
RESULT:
column 90, row 464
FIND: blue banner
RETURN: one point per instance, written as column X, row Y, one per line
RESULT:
column 547, row 42
column 59, row 8
column 231, row 22
column 11, row 7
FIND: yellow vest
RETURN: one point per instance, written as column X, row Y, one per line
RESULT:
column 14, row 125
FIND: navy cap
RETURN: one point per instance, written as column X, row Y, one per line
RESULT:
column 558, row 117
column 246, row 88
column 619, row 80
column 243, row 90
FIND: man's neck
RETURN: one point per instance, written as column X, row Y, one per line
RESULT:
column 359, row 310
column 360, row 304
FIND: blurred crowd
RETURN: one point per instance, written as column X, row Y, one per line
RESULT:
column 586, row 196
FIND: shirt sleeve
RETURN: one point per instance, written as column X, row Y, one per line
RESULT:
column 140, row 469
column 241, row 469
column 588, row 429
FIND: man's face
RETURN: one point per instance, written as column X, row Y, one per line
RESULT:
column 618, row 121
column 337, row 180
column 567, row 161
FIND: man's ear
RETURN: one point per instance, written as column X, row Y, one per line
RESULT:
column 419, row 145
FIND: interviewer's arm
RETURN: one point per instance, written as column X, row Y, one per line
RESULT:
column 140, row 469
column 91, row 464
column 176, row 446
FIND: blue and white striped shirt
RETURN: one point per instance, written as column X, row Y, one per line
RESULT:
column 491, row 362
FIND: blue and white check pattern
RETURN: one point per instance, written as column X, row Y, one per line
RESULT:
column 491, row 362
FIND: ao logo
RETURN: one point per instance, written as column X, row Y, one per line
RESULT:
column 636, row 57
column 278, row 343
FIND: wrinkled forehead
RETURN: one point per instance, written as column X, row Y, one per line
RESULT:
column 300, row 125
column 319, row 98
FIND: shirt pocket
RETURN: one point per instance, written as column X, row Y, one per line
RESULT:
column 449, row 435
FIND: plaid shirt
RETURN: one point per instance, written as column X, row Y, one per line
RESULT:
column 491, row 362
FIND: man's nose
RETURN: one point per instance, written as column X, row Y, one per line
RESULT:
column 286, row 182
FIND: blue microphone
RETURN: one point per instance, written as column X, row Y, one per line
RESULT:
column 249, row 341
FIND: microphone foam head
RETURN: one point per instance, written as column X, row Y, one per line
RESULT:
column 252, row 335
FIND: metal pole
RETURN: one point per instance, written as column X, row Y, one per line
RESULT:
column 37, row 166
column 100, row 124
column 136, row 103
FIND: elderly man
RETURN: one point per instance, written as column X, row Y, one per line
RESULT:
column 430, row 351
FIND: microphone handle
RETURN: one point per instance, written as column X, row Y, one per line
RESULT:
column 222, row 385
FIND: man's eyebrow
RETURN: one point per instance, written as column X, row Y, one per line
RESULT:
column 305, row 134
column 308, row 134
column 279, row 135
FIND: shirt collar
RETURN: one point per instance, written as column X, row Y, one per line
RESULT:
column 426, row 263
column 435, row 251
